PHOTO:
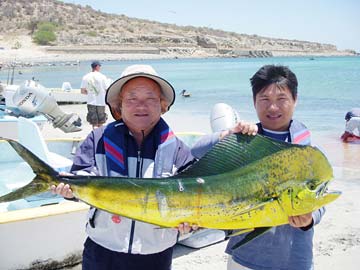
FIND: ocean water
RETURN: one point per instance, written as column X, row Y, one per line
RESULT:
column 328, row 87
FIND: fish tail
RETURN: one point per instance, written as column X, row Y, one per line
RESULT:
column 45, row 175
column 36, row 186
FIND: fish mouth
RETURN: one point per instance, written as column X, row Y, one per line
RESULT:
column 323, row 191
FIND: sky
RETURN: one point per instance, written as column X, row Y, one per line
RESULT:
column 334, row 22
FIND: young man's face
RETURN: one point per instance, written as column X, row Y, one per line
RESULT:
column 275, row 107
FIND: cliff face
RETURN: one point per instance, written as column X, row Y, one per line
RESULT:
column 81, row 27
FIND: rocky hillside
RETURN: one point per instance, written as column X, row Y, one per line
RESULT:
column 80, row 28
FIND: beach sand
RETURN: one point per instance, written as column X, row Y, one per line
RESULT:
column 31, row 54
column 337, row 237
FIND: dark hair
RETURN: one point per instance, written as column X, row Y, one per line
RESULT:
column 355, row 112
column 269, row 74
column 94, row 64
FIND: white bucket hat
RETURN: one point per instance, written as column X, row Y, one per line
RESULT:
column 113, row 92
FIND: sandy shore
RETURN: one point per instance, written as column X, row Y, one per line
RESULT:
column 34, row 56
column 337, row 237
column 31, row 54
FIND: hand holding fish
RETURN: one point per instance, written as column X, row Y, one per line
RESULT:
column 62, row 189
column 185, row 228
column 301, row 220
column 241, row 127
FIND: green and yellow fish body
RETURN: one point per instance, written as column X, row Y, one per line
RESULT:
column 243, row 182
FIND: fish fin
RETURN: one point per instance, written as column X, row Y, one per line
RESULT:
column 37, row 165
column 238, row 232
column 258, row 206
column 251, row 236
column 41, row 182
column 234, row 151
column 36, row 186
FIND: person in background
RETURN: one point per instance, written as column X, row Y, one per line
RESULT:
column 138, row 144
column 94, row 85
column 288, row 246
column 352, row 126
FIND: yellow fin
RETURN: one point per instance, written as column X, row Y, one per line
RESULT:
column 238, row 232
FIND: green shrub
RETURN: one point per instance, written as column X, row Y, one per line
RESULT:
column 45, row 34
column 44, row 37
column 46, row 26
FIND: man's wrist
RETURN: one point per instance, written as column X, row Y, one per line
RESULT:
column 308, row 227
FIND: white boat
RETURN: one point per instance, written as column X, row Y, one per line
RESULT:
column 63, row 96
column 48, row 237
column 9, row 124
column 45, row 231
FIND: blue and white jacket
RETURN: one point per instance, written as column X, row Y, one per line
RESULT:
column 283, row 247
column 113, row 151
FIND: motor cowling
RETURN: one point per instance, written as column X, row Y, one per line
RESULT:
column 223, row 117
column 31, row 98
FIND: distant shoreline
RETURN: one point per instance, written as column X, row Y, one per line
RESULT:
column 37, row 57
column 31, row 58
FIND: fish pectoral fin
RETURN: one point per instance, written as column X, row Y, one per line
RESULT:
column 238, row 232
column 251, row 236
column 258, row 206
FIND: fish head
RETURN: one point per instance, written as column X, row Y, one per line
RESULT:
column 312, row 196
column 306, row 198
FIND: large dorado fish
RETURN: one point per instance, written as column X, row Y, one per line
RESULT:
column 243, row 182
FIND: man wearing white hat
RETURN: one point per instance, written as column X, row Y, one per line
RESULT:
column 138, row 144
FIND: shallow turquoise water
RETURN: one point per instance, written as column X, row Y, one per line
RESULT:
column 328, row 86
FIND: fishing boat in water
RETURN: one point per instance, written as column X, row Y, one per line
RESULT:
column 35, row 220
column 29, row 226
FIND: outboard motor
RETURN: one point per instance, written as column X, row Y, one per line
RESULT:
column 223, row 117
column 31, row 97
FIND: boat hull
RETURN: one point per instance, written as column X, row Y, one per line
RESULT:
column 34, row 238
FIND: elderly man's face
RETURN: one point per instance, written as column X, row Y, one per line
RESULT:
column 140, row 104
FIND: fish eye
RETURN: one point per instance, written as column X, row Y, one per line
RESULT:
column 311, row 185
